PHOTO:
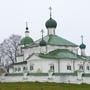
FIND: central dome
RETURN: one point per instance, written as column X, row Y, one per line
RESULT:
column 51, row 23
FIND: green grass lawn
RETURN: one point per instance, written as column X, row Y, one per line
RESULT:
column 42, row 86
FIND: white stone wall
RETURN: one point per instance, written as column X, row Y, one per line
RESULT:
column 12, row 70
column 57, row 79
column 27, row 52
column 20, row 59
column 43, row 65
column 87, row 63
column 64, row 64
column 60, row 65
column 30, row 51
column 77, row 63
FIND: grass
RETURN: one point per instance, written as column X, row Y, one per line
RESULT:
column 42, row 86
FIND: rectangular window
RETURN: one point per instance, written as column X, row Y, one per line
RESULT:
column 69, row 67
column 19, row 69
column 31, row 67
column 81, row 67
column 51, row 68
column 88, row 68
column 24, row 68
column 15, row 69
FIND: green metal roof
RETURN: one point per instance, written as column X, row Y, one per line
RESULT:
column 61, row 54
column 88, row 57
column 56, row 40
column 26, row 40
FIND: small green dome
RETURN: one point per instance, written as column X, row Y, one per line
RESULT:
column 26, row 40
column 82, row 46
column 51, row 23
column 42, row 43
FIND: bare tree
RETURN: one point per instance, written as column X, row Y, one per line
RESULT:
column 9, row 48
column 2, row 54
column 15, row 40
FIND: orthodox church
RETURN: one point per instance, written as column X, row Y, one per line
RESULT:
column 49, row 59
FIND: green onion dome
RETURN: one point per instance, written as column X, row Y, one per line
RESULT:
column 82, row 46
column 51, row 23
column 26, row 40
column 42, row 43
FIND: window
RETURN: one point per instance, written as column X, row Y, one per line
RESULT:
column 19, row 69
column 15, row 69
column 31, row 67
column 68, row 67
column 52, row 67
column 24, row 68
column 81, row 67
column 88, row 68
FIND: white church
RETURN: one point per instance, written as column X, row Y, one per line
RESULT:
column 49, row 59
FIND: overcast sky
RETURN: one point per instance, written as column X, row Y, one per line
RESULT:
column 72, row 16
